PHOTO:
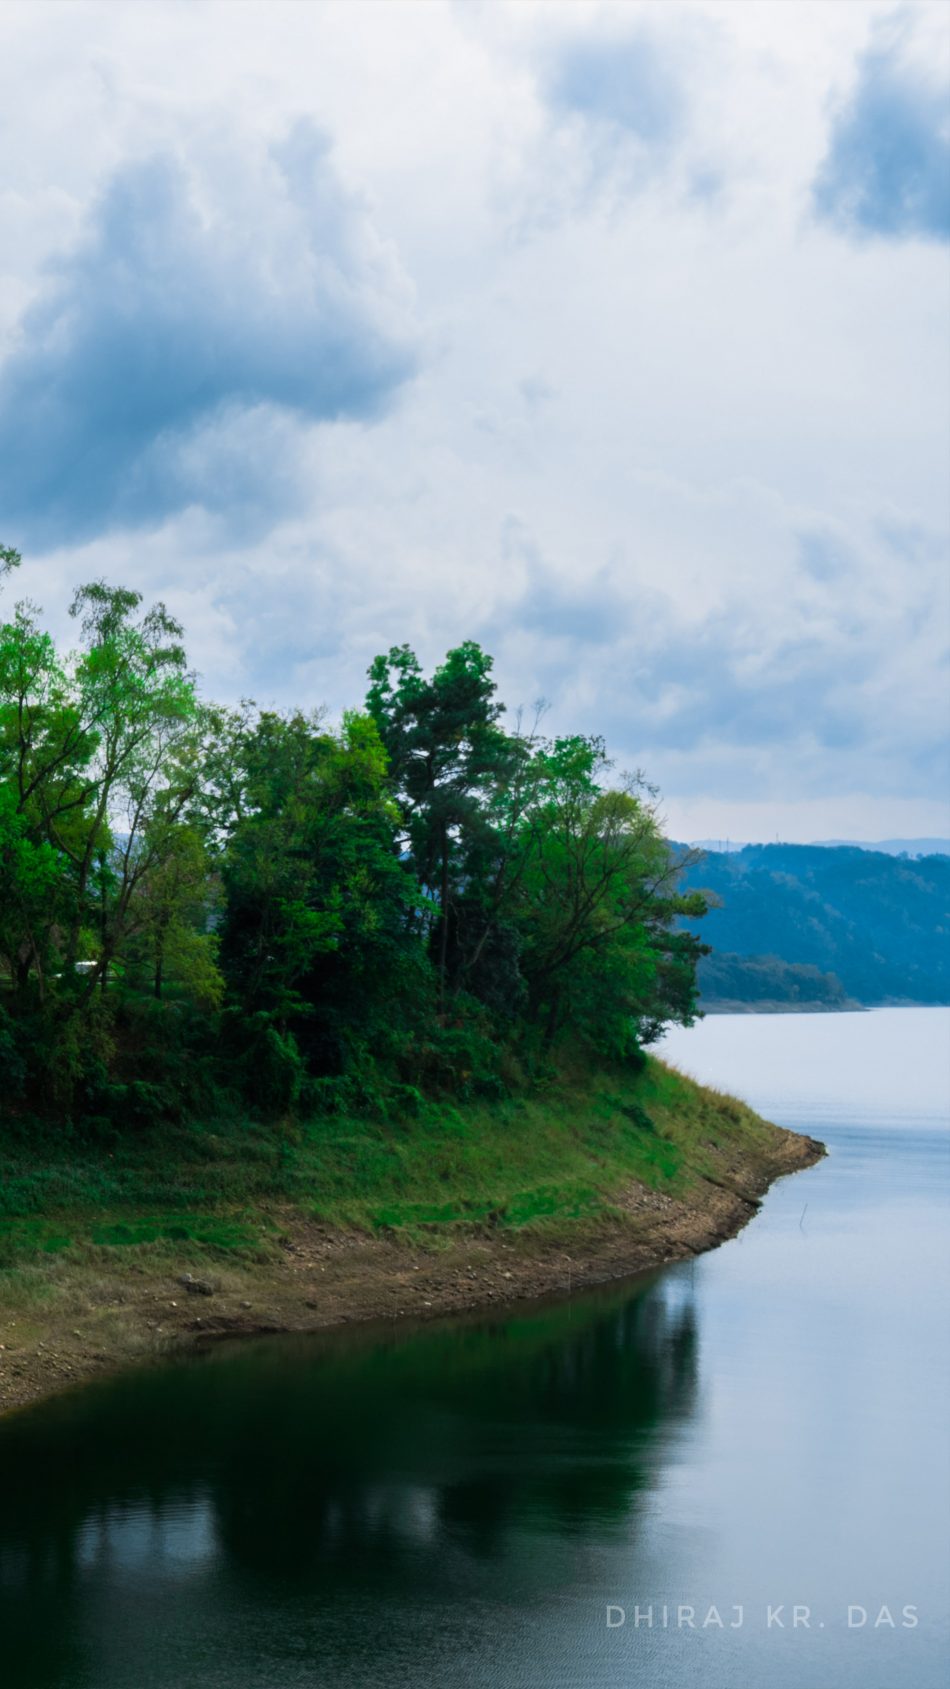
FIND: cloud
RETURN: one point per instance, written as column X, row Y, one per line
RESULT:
column 724, row 706
column 725, row 445
column 824, row 554
column 633, row 115
column 887, row 170
column 201, row 319
column 827, row 663
column 628, row 84
column 587, row 612
column 617, row 106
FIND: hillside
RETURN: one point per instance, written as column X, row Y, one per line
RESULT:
column 809, row 925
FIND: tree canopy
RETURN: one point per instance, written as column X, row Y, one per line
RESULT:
column 197, row 901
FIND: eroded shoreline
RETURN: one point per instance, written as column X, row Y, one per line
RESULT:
column 327, row 1277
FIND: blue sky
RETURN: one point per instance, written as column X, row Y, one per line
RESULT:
column 613, row 335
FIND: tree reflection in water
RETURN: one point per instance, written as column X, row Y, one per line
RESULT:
column 385, row 1461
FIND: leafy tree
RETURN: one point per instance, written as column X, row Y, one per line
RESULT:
column 170, row 943
column 45, row 750
column 139, row 699
column 316, row 941
column 597, row 903
column 30, row 877
column 97, row 768
column 443, row 743
column 307, row 913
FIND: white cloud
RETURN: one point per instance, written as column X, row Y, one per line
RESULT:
column 680, row 459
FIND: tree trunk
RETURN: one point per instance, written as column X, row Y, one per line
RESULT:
column 103, row 917
column 550, row 1030
column 444, row 926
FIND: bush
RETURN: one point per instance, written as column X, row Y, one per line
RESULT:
column 273, row 1070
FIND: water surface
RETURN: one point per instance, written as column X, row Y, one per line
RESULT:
column 461, row 1504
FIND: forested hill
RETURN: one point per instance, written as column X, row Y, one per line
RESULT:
column 803, row 924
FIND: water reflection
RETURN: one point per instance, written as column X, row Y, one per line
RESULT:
column 320, row 1464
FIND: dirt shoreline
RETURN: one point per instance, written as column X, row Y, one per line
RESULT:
column 125, row 1313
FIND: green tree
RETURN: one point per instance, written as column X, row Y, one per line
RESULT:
column 597, row 904
column 98, row 764
column 45, row 751
column 139, row 699
column 170, row 944
column 316, row 942
column 387, row 904
column 444, row 744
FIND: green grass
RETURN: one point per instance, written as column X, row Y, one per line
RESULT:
column 551, row 1159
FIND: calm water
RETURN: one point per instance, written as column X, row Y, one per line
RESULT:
column 459, row 1505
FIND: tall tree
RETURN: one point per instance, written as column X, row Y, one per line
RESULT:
column 316, row 944
column 46, row 747
column 597, row 901
column 98, row 765
column 443, row 741
column 138, row 697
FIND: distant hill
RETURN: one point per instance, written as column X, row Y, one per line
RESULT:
column 822, row 926
column 893, row 847
column 889, row 847
column 722, row 847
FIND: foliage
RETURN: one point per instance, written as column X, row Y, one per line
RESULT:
column 200, row 903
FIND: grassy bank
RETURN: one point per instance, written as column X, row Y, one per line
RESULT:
column 306, row 1224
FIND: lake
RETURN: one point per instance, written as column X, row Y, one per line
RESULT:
column 489, row 1501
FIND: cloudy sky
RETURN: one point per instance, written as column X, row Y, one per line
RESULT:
column 614, row 336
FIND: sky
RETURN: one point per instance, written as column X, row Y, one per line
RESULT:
column 616, row 337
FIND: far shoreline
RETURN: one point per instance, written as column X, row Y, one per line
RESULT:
column 726, row 1006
